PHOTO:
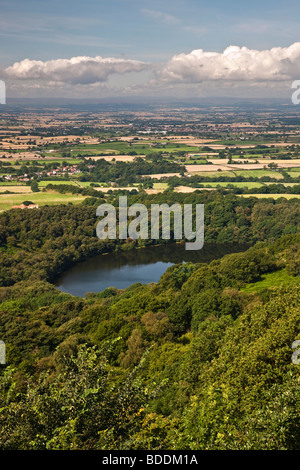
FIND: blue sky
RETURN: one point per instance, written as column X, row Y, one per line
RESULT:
column 148, row 31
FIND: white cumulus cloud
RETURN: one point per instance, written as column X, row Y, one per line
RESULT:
column 77, row 70
column 234, row 64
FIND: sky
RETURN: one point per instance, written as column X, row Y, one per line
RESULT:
column 191, row 48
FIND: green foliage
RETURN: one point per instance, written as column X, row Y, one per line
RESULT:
column 181, row 273
column 293, row 260
column 200, row 360
column 80, row 407
column 34, row 186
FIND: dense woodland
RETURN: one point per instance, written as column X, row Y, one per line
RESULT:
column 200, row 360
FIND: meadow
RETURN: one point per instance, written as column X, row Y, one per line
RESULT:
column 42, row 199
column 44, row 183
column 245, row 184
column 271, row 280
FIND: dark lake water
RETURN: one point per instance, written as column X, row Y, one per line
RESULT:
column 145, row 265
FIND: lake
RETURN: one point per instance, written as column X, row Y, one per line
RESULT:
column 124, row 268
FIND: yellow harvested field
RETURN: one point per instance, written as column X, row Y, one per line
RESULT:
column 206, row 168
column 129, row 138
column 187, row 189
column 261, row 166
column 23, row 140
column 220, row 164
column 248, row 166
column 288, row 164
column 243, row 144
column 161, row 175
column 15, row 189
column 222, row 146
column 204, row 154
column 154, row 191
column 114, row 188
column 271, row 196
column 191, row 141
column 24, row 156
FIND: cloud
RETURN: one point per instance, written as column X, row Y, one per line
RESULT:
column 234, row 64
column 77, row 70
column 236, row 69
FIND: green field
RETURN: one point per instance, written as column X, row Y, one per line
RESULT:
column 11, row 183
column 270, row 280
column 43, row 184
column 294, row 172
column 17, row 161
column 42, row 199
column 213, row 174
column 140, row 148
column 258, row 173
column 86, row 184
column 246, row 184
column 257, row 156
column 195, row 161
column 58, row 158
column 160, row 186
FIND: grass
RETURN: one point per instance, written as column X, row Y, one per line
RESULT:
column 16, row 189
column 246, row 184
column 194, row 161
column 58, row 158
column 87, row 184
column 140, row 148
column 241, row 143
column 10, row 183
column 276, row 279
column 160, row 186
column 53, row 157
column 259, row 173
column 294, row 172
column 256, row 156
column 43, row 184
column 42, row 199
column 213, row 173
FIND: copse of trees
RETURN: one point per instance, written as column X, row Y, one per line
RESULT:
column 200, row 180
column 73, row 189
column 125, row 173
column 139, row 367
column 196, row 361
column 42, row 244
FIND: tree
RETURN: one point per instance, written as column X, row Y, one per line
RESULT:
column 136, row 347
column 34, row 186
column 83, row 406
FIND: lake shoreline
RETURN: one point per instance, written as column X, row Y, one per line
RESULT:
column 144, row 265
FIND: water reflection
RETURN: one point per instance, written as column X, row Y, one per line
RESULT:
column 125, row 268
